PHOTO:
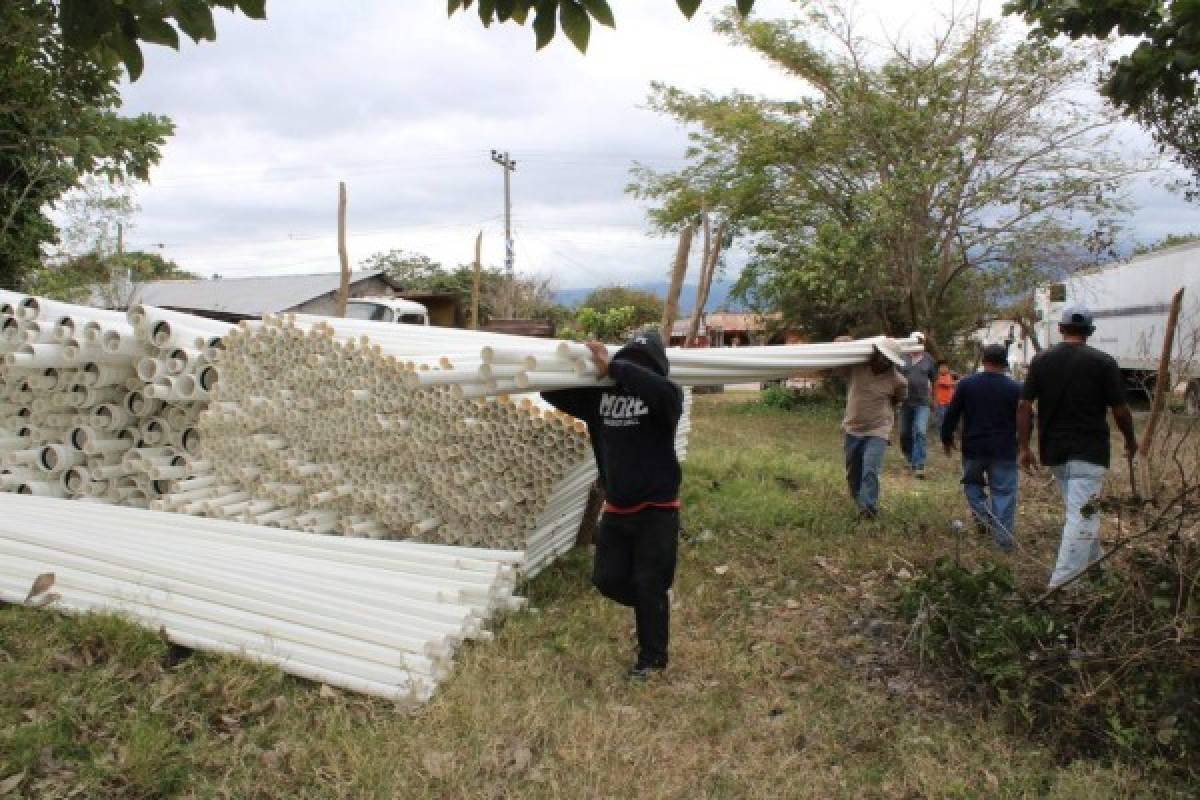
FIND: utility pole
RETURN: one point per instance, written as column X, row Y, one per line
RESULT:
column 509, row 166
column 475, row 282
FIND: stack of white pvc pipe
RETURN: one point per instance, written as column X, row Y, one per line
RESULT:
column 100, row 404
column 322, row 433
column 383, row 618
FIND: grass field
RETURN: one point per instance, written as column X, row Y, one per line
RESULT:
column 789, row 678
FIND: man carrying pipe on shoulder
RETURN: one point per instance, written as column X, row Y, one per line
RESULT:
column 632, row 426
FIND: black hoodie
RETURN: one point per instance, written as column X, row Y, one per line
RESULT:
column 632, row 424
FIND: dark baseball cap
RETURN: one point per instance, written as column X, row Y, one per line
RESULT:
column 1077, row 317
column 996, row 355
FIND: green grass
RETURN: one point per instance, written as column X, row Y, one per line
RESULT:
column 787, row 680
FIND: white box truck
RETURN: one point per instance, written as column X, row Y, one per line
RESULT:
column 1130, row 302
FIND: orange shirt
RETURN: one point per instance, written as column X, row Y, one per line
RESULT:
column 943, row 389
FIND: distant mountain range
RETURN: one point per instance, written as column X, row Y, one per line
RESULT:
column 718, row 296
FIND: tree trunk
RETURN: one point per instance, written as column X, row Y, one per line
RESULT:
column 712, row 251
column 678, row 271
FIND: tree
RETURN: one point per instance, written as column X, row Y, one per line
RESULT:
column 107, row 279
column 113, row 30
column 1166, row 242
column 903, row 188
column 647, row 307
column 575, row 17
column 58, row 124
column 1156, row 82
column 529, row 298
column 611, row 325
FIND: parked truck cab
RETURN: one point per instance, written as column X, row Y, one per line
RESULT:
column 387, row 309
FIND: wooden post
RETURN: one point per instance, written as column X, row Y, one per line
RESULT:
column 678, row 271
column 344, row 289
column 475, row 282
column 1163, row 378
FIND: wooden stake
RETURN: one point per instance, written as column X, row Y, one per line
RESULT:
column 1164, row 375
column 475, row 282
column 344, row 289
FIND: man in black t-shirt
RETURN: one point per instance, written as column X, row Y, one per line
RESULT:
column 1074, row 386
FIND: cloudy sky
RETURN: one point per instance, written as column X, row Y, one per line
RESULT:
column 405, row 105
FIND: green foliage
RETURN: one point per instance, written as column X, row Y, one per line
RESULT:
column 90, row 277
column 778, row 396
column 647, row 306
column 58, row 123
column 1156, row 81
column 415, row 272
column 1167, row 242
column 112, row 31
column 900, row 189
column 611, row 325
column 1114, row 671
column 575, row 17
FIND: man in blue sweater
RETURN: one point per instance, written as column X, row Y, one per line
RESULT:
column 632, row 425
column 986, row 403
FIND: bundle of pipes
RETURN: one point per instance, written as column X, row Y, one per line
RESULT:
column 382, row 618
column 489, row 364
column 316, row 429
column 100, row 404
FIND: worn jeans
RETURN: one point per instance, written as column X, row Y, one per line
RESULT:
column 914, row 427
column 635, row 566
column 991, row 488
column 864, row 462
column 1080, row 482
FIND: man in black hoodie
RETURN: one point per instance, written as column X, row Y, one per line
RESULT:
column 632, row 426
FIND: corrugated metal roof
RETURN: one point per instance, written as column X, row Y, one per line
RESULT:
column 249, row 296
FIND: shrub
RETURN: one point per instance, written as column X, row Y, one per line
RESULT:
column 1112, row 670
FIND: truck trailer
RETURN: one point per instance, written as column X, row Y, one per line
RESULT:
column 1130, row 302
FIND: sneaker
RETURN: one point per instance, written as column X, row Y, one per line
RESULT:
column 868, row 513
column 919, row 473
column 640, row 673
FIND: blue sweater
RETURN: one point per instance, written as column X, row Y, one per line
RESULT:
column 986, row 402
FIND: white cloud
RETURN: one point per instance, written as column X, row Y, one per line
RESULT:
column 404, row 105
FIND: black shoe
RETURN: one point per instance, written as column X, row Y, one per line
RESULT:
column 640, row 673
column 868, row 513
column 919, row 473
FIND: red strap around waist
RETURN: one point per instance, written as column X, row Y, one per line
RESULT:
column 609, row 508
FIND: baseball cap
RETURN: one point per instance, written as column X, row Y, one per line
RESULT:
column 1078, row 317
column 995, row 354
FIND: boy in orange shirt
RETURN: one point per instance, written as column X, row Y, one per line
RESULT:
column 943, row 393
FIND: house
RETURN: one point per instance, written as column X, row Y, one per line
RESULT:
column 728, row 329
column 234, row 299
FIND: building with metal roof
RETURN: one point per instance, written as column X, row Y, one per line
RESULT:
column 249, row 298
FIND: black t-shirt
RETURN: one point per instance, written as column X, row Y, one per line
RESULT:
column 1074, row 386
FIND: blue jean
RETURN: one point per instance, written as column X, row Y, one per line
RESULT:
column 991, row 488
column 914, row 425
column 864, row 462
column 1080, row 482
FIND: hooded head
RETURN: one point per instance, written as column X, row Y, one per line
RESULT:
column 645, row 349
